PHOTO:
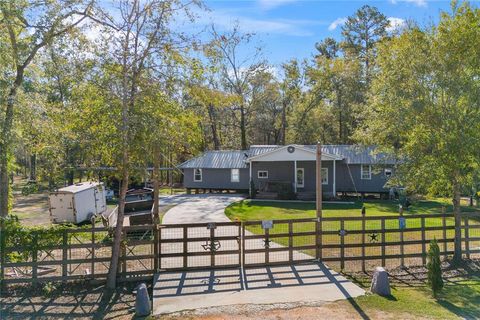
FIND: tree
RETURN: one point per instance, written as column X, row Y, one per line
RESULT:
column 424, row 106
column 362, row 32
column 434, row 267
column 28, row 33
column 141, row 46
column 236, row 71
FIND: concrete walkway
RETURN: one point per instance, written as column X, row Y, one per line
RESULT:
column 302, row 283
column 199, row 208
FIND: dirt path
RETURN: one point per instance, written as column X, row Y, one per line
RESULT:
column 339, row 310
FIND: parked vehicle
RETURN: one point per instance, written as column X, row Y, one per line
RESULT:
column 109, row 194
column 77, row 203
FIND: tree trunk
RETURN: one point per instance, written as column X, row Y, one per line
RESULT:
column 457, row 256
column 5, row 143
column 33, row 167
column 283, row 133
column 117, row 237
column 243, row 129
column 213, row 126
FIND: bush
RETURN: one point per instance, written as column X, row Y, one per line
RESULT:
column 434, row 267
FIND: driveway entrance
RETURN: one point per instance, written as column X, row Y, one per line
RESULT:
column 206, row 260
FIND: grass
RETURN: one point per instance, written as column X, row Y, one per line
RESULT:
column 272, row 210
column 460, row 298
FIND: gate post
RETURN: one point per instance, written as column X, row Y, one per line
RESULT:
column 156, row 245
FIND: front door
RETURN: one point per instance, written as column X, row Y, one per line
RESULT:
column 300, row 178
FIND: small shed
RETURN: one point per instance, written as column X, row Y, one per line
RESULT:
column 77, row 203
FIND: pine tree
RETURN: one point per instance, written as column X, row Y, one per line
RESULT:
column 435, row 280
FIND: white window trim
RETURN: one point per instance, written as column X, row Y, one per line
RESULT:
column 195, row 176
column 369, row 172
column 231, row 176
column 258, row 174
column 303, row 172
column 326, row 177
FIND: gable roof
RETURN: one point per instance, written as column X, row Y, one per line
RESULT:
column 311, row 152
column 231, row 159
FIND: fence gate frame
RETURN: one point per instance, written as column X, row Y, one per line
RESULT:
column 207, row 236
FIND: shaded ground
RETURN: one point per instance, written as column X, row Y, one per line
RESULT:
column 410, row 299
column 75, row 301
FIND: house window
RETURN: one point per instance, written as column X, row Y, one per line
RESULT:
column 197, row 175
column 300, row 178
column 366, row 172
column 324, row 175
column 388, row 172
column 263, row 174
column 235, row 175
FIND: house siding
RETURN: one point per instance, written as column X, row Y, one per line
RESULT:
column 216, row 179
column 277, row 171
column 344, row 181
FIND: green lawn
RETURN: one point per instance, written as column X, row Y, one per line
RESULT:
column 459, row 299
column 265, row 210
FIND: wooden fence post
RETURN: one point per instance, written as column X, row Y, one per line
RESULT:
column 383, row 242
column 444, row 225
column 185, row 247
column 363, row 239
column 34, row 258
column 290, row 241
column 342, row 244
column 424, row 245
column 65, row 256
column 467, row 237
column 267, row 246
column 93, row 249
column 402, row 246
column 156, row 245
column 212, row 247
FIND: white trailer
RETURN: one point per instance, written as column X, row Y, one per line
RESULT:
column 77, row 203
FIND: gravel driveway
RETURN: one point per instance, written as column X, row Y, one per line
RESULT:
column 198, row 208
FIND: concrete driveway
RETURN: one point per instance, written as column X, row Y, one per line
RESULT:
column 198, row 208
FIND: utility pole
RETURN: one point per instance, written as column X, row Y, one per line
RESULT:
column 319, row 201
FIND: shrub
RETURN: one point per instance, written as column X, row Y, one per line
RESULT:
column 434, row 267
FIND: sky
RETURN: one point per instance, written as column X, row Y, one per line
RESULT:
column 287, row 29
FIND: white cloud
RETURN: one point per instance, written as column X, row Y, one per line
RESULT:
column 338, row 22
column 271, row 4
column 395, row 24
column 418, row 3
column 225, row 19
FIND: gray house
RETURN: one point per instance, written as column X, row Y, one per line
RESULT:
column 346, row 169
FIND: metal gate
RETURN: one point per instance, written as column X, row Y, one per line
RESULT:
column 235, row 244
column 198, row 246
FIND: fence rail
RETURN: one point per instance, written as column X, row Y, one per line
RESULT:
column 350, row 243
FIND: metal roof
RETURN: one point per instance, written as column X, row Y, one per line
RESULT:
column 230, row 159
column 356, row 154
column 352, row 154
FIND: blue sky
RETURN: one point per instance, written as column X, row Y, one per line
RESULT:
column 289, row 28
